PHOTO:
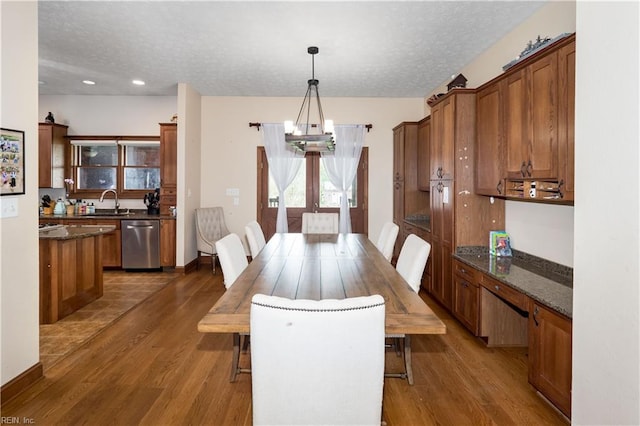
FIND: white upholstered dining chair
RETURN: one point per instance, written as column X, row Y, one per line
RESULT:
column 210, row 227
column 233, row 260
column 411, row 263
column 307, row 367
column 320, row 223
column 387, row 239
column 255, row 237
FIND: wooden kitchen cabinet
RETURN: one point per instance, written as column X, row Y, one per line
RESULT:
column 111, row 241
column 550, row 341
column 566, row 118
column 405, row 177
column 424, row 154
column 459, row 217
column 168, row 166
column 443, row 125
column 53, row 152
column 489, row 177
column 442, row 235
column 168, row 243
column 466, row 296
column 528, row 113
column 70, row 275
column 531, row 107
column 111, row 245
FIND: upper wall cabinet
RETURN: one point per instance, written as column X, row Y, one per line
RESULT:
column 490, row 140
column 52, row 155
column 525, row 128
column 443, row 127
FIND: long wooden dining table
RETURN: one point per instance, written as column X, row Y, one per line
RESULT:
column 322, row 266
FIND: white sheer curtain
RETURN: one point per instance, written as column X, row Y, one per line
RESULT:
column 283, row 166
column 342, row 165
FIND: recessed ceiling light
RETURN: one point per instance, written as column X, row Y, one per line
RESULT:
column 138, row 82
column 89, row 82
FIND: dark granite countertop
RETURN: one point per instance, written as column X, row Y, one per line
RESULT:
column 125, row 214
column 70, row 232
column 421, row 221
column 546, row 282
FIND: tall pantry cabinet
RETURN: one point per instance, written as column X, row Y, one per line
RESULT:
column 168, row 166
column 458, row 216
column 405, row 183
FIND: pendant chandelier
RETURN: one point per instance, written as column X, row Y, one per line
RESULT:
column 305, row 136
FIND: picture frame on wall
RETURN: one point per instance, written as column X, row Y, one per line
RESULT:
column 11, row 162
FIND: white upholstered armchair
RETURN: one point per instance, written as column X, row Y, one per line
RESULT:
column 210, row 227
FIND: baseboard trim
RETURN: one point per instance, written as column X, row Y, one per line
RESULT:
column 191, row 266
column 15, row 386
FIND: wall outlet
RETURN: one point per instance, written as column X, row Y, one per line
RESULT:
column 8, row 207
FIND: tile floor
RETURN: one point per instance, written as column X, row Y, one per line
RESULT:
column 122, row 291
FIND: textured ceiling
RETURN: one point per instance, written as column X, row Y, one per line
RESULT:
column 239, row 48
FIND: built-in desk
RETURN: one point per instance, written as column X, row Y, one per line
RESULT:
column 520, row 301
column 70, row 269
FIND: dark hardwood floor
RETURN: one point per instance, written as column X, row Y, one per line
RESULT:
column 153, row 367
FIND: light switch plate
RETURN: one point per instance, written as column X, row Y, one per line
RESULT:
column 8, row 207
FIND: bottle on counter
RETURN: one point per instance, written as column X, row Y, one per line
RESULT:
column 91, row 209
column 59, row 208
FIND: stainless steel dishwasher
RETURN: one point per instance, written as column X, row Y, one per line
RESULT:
column 140, row 244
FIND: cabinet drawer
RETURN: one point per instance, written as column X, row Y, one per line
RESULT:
column 465, row 271
column 505, row 292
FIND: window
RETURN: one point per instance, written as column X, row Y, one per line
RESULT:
column 130, row 167
column 141, row 165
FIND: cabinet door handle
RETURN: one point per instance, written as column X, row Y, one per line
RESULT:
column 499, row 187
column 497, row 287
column 439, row 172
column 465, row 284
column 529, row 168
column 536, row 311
column 560, row 185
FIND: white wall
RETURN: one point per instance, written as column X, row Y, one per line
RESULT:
column 606, row 299
column 109, row 115
column 19, row 290
column 539, row 229
column 189, row 171
column 229, row 148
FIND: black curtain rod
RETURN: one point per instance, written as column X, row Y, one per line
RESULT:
column 257, row 125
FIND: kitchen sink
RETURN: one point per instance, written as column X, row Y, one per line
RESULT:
column 109, row 214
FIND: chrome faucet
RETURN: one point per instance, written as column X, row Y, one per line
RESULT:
column 115, row 194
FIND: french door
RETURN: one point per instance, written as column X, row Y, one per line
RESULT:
column 311, row 191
